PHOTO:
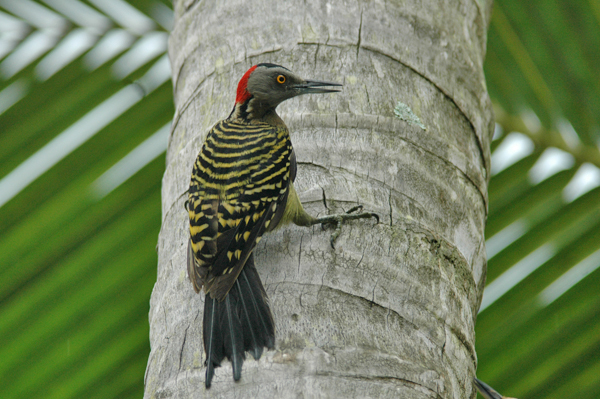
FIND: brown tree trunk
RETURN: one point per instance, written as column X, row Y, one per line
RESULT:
column 391, row 311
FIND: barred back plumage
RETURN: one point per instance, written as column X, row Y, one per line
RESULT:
column 239, row 180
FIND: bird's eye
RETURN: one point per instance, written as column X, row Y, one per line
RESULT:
column 281, row 79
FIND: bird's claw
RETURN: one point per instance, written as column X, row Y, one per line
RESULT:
column 364, row 215
column 339, row 219
column 354, row 209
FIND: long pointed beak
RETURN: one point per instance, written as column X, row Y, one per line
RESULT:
column 486, row 391
column 315, row 86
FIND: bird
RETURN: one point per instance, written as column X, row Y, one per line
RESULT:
column 241, row 188
column 487, row 391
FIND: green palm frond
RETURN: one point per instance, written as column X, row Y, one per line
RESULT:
column 85, row 110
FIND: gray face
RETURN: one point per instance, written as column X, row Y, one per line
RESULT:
column 271, row 85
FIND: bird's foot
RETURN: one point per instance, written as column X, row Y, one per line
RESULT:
column 338, row 219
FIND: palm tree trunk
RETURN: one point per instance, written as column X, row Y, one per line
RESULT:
column 391, row 311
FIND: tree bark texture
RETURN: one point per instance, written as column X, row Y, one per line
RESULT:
column 391, row 311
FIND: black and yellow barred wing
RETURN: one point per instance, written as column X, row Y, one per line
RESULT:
column 239, row 189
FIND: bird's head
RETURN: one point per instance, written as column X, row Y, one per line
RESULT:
column 264, row 86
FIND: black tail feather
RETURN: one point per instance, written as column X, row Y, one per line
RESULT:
column 251, row 339
column 213, row 340
column 233, row 335
column 241, row 323
column 260, row 317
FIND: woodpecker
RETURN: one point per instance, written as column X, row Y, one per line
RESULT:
column 242, row 187
column 487, row 391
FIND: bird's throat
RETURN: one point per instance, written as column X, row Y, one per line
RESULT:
column 254, row 111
